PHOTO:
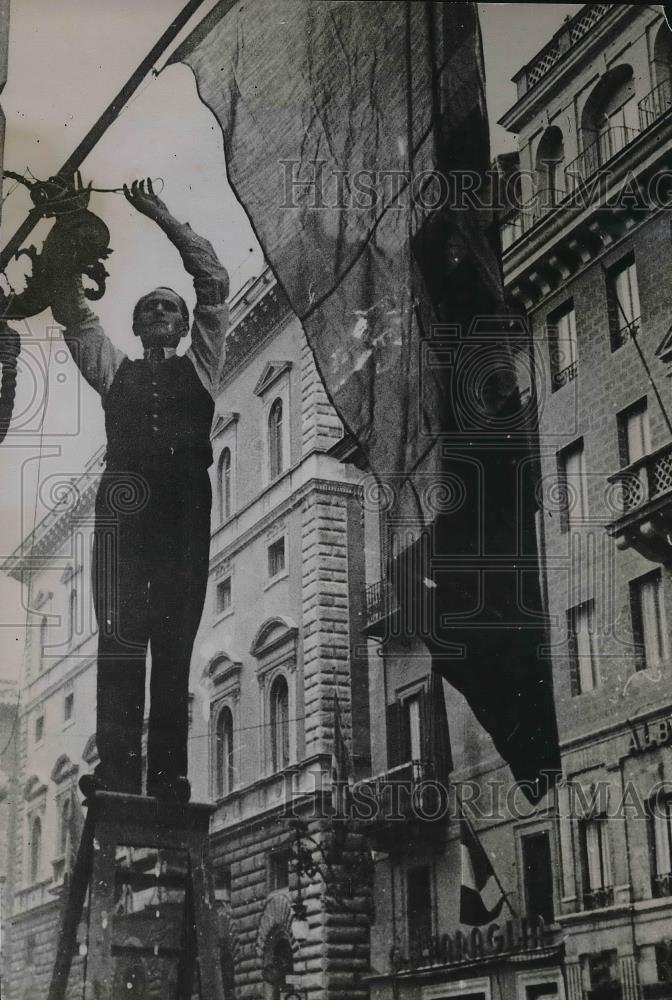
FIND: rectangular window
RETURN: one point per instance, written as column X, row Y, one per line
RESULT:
column 419, row 909
column 278, row 870
column 623, row 301
column 648, row 621
column 661, row 810
column 222, row 879
column 68, row 706
column 561, row 331
column 597, row 887
column 538, row 876
column 634, row 434
column 412, row 735
column 224, row 595
column 276, row 557
column 572, row 475
column 603, row 970
column 580, row 630
column 664, row 961
column 39, row 729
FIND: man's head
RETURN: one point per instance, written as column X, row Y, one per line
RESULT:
column 161, row 318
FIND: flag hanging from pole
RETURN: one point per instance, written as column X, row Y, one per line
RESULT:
column 342, row 776
column 356, row 139
column 481, row 896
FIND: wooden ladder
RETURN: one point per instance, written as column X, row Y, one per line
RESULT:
column 115, row 821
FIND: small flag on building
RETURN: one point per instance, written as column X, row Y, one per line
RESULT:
column 341, row 768
column 481, row 895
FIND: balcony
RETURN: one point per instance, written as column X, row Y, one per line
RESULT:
column 597, row 899
column 400, row 801
column 656, row 104
column 522, row 219
column 610, row 142
column 565, row 376
column 645, row 523
column 662, row 885
column 380, row 604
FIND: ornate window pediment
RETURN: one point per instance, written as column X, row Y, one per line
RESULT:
column 221, row 669
column 63, row 769
column 90, row 752
column 34, row 788
column 273, row 635
column 222, row 422
column 270, row 375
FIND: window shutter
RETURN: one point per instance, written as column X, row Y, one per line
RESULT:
column 637, row 629
column 394, row 740
column 574, row 678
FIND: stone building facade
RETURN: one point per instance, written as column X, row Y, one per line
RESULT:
column 279, row 643
column 587, row 249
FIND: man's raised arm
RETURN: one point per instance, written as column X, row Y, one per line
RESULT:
column 211, row 283
column 93, row 352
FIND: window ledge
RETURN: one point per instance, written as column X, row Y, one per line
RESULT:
column 276, row 579
column 220, row 616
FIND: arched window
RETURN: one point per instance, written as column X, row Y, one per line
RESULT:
column 550, row 169
column 44, row 625
column 659, row 101
column 275, row 439
column 278, row 964
column 225, row 485
column 64, row 832
column 224, row 752
column 610, row 118
column 35, row 848
column 279, row 723
column 73, row 614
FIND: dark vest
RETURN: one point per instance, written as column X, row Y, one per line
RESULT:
column 158, row 421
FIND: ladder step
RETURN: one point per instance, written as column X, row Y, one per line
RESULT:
column 148, row 880
column 145, row 951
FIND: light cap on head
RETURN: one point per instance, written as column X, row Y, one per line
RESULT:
column 162, row 289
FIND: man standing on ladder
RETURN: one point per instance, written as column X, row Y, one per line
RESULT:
column 152, row 514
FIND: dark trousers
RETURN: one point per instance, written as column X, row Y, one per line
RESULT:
column 150, row 571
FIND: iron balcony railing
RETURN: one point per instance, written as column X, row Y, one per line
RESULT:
column 662, row 885
column 656, row 104
column 380, row 600
column 599, row 152
column 398, row 795
column 522, row 219
column 646, row 479
column 596, row 899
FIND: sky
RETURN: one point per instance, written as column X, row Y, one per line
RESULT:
column 66, row 62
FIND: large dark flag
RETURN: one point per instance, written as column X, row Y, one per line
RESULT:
column 481, row 896
column 356, row 139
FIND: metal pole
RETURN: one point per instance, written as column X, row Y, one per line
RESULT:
column 78, row 156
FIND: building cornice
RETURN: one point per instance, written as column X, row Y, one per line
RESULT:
column 310, row 487
column 75, row 503
column 538, row 97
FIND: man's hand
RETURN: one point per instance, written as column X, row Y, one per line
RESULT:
column 141, row 196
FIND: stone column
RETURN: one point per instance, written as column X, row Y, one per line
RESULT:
column 629, row 976
column 574, row 981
